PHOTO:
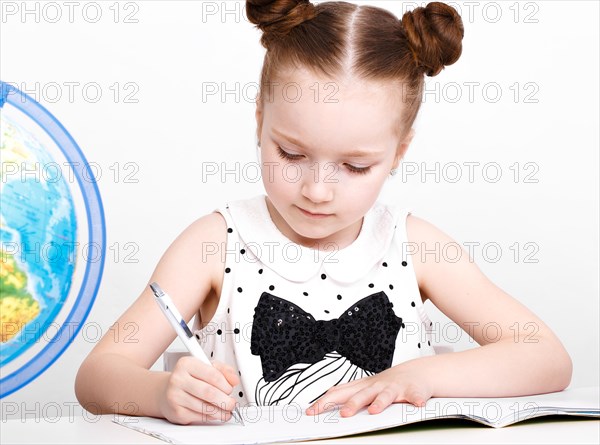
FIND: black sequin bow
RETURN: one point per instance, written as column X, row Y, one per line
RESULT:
column 283, row 334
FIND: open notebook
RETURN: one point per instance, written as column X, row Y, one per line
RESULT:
column 267, row 424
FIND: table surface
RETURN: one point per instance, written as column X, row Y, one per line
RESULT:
column 101, row 429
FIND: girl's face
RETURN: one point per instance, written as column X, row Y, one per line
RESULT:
column 326, row 149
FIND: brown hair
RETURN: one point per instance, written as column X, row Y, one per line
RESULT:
column 337, row 39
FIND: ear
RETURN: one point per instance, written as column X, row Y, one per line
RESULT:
column 403, row 147
column 259, row 117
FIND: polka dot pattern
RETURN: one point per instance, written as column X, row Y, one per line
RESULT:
column 287, row 355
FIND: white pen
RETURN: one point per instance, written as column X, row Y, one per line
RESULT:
column 183, row 331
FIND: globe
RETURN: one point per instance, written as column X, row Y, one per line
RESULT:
column 52, row 239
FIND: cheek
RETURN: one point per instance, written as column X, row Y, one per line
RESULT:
column 276, row 175
column 364, row 191
column 360, row 199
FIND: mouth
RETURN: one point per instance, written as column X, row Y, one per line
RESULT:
column 314, row 215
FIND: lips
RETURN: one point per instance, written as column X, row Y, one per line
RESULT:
column 314, row 214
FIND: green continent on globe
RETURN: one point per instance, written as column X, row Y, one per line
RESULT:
column 17, row 306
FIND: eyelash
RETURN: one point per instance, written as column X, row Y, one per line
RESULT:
column 290, row 157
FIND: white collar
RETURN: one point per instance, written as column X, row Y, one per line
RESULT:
column 298, row 263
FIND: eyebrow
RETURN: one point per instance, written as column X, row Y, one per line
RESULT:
column 352, row 154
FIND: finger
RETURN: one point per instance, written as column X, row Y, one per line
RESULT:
column 205, row 392
column 326, row 402
column 384, row 399
column 360, row 399
column 334, row 397
column 187, row 415
column 205, row 412
column 228, row 371
column 415, row 396
column 208, row 373
column 187, row 407
column 321, row 406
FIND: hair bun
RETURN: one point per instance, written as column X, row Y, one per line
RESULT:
column 276, row 18
column 435, row 35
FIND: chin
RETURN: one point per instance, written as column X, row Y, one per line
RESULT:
column 310, row 232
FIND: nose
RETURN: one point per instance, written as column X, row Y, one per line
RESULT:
column 318, row 183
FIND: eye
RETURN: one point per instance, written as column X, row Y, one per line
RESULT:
column 292, row 157
column 358, row 170
column 285, row 155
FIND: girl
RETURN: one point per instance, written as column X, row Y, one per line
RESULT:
column 313, row 294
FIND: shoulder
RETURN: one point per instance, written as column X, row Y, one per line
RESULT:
column 432, row 248
column 210, row 227
column 204, row 234
column 201, row 244
column 421, row 230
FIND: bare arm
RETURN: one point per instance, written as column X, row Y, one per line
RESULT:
column 508, row 362
column 115, row 377
column 518, row 353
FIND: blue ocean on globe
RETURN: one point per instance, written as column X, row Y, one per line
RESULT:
column 38, row 239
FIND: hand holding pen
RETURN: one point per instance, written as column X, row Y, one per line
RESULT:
column 184, row 333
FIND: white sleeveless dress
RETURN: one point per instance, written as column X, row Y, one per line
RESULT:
column 295, row 321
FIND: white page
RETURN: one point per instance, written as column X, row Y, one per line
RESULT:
column 267, row 424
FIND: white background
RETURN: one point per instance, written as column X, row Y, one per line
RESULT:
column 165, row 131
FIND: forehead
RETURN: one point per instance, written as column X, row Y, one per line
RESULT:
column 334, row 112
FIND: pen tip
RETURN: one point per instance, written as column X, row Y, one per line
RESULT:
column 238, row 416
